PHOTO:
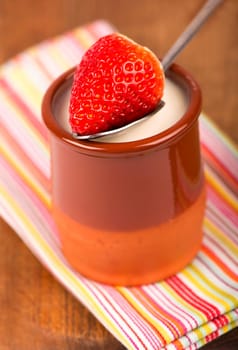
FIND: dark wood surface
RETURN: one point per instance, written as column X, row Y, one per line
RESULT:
column 35, row 310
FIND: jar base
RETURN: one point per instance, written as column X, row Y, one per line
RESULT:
column 134, row 257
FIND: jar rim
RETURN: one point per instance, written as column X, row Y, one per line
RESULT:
column 160, row 140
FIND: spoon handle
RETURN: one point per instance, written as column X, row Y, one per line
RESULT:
column 189, row 32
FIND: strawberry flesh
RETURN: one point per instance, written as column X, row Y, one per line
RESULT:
column 116, row 82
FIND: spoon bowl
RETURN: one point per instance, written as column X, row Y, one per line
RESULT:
column 124, row 127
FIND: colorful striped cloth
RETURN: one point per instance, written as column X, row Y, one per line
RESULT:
column 184, row 311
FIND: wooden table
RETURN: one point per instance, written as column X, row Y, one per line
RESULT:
column 36, row 311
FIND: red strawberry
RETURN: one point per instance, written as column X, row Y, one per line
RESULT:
column 117, row 82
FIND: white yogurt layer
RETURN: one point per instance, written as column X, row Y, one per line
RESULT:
column 175, row 106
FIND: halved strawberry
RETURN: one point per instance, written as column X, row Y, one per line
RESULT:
column 116, row 82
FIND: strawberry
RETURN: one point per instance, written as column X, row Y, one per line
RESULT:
column 116, row 82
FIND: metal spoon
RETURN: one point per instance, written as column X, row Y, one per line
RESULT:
column 179, row 44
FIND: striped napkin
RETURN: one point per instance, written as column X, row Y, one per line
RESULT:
column 184, row 311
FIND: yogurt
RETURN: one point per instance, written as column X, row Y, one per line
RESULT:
column 175, row 100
